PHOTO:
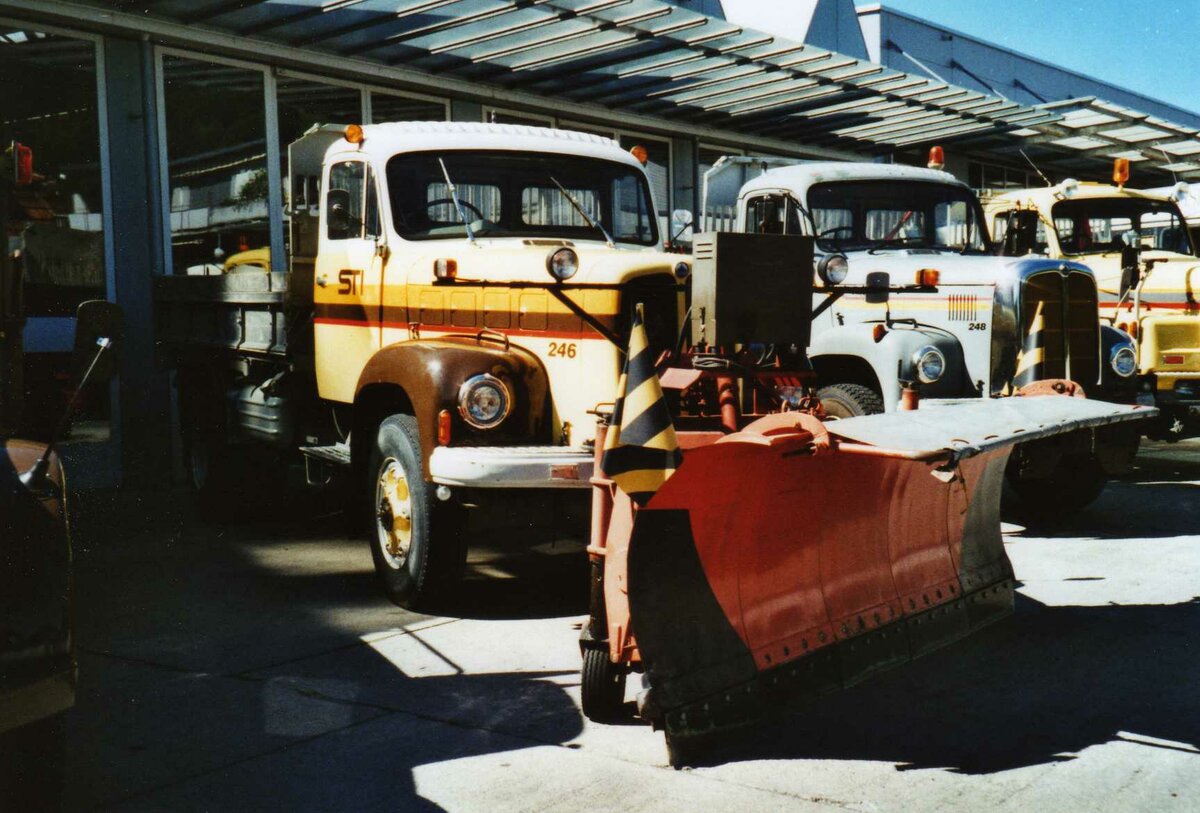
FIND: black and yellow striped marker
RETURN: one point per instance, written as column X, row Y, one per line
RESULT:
column 640, row 451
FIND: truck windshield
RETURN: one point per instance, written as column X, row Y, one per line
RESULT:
column 1098, row 225
column 517, row 194
column 855, row 215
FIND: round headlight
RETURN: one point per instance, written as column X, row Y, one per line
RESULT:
column 930, row 364
column 562, row 263
column 484, row 401
column 1123, row 361
column 682, row 269
column 833, row 268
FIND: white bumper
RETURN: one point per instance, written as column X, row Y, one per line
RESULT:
column 511, row 466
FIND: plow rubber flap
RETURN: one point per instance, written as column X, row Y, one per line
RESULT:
column 760, row 574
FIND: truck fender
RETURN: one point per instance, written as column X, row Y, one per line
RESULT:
column 854, row 347
column 422, row 377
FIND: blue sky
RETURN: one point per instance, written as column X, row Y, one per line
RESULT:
column 1148, row 46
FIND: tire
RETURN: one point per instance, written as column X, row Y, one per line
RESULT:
column 1074, row 484
column 602, row 687
column 849, row 400
column 31, row 766
column 419, row 564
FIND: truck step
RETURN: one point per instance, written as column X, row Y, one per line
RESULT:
column 338, row 454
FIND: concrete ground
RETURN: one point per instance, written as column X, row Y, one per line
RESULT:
column 256, row 667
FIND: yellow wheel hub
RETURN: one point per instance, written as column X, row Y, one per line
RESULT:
column 394, row 512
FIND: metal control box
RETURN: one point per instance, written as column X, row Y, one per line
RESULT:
column 751, row 288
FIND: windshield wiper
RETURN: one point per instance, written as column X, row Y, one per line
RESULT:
column 607, row 237
column 457, row 203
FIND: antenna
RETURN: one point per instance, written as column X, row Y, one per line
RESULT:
column 1035, row 168
column 1174, row 177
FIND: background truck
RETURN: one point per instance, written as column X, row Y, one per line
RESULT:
column 959, row 322
column 1139, row 247
column 455, row 301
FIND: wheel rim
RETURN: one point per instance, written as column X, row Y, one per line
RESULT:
column 393, row 516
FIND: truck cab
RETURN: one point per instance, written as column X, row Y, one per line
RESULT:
column 910, row 283
column 456, row 305
column 1138, row 245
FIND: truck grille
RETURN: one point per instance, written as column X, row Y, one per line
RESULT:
column 1061, row 329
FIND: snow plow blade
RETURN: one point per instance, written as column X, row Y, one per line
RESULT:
column 772, row 569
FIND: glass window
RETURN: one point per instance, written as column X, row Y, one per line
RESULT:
column 873, row 214
column 387, row 107
column 54, row 235
column 771, row 214
column 658, row 168
column 55, row 224
column 217, row 163
column 352, row 187
column 1101, row 225
column 505, row 193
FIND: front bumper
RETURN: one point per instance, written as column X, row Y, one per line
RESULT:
column 511, row 466
column 1177, row 389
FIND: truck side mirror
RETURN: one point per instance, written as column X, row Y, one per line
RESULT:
column 878, row 283
column 681, row 226
column 337, row 214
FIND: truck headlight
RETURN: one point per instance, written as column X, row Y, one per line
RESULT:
column 484, row 401
column 1123, row 360
column 562, row 264
column 833, row 268
column 930, row 364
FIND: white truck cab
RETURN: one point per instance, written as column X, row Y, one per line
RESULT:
column 913, row 292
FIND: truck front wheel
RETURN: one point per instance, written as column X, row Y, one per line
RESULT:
column 849, row 400
column 417, row 543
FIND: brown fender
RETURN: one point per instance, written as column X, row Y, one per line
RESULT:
column 424, row 376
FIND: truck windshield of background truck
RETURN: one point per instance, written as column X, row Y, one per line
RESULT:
column 1101, row 225
column 856, row 215
column 513, row 194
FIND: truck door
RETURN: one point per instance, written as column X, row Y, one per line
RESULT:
column 347, row 279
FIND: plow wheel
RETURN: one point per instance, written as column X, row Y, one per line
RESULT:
column 602, row 687
column 849, row 400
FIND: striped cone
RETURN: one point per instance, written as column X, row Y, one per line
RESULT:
column 640, row 451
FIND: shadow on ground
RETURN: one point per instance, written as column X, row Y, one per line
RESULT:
column 1034, row 689
column 189, row 633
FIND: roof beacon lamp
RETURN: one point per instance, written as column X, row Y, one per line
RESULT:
column 639, row 152
column 937, row 157
column 1121, row 171
column 354, row 133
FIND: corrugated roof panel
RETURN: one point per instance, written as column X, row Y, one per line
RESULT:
column 1081, row 143
column 631, row 55
column 1134, row 133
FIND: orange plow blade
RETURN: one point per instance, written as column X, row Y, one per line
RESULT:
column 771, row 569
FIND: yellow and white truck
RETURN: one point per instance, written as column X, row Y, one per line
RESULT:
column 454, row 304
column 1137, row 244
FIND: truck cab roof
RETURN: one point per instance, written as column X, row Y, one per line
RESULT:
column 797, row 178
column 418, row 136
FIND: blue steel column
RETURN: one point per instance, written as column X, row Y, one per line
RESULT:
column 144, row 398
